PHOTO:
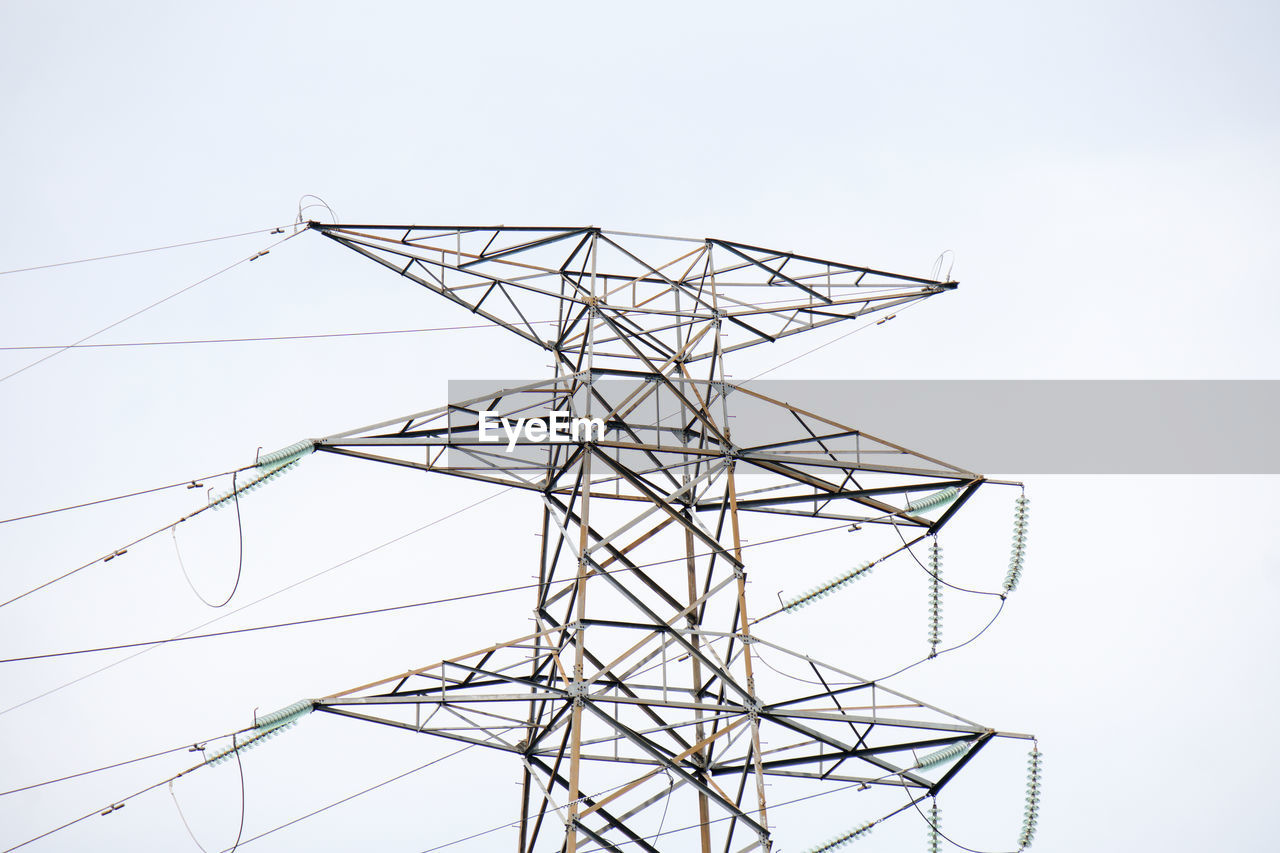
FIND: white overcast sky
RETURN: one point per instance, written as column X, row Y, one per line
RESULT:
column 1104, row 173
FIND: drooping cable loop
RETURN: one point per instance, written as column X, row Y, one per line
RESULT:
column 1021, row 515
column 182, row 564
column 174, row 796
column 823, row 590
column 234, row 495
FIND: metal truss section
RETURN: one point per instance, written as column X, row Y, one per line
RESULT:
column 640, row 683
column 665, row 436
column 632, row 295
column 641, row 734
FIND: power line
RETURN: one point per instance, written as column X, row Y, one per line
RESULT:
column 158, row 302
column 723, row 818
column 118, row 804
column 120, row 552
column 893, row 674
column 173, row 796
column 351, row 797
column 142, row 251
column 676, row 831
column 186, row 747
column 936, row 577
column 240, row 767
column 319, row 336
column 283, row 589
column 745, row 545
column 359, row 613
column 182, row 748
column 173, row 532
column 914, row 802
column 187, row 483
column 985, row 627
column 346, row 616
column 396, row 779
column 291, row 624
column 105, row 558
column 836, row 339
column 113, row 806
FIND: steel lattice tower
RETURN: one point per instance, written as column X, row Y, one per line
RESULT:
column 638, row 682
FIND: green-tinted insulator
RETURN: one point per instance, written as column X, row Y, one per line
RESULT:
column 285, row 455
column 943, row 755
column 935, row 595
column 934, row 500
column 222, row 499
column 1033, row 798
column 267, row 727
column 286, row 715
column 270, row 466
column 1018, row 552
column 935, row 838
column 835, row 584
column 249, row 741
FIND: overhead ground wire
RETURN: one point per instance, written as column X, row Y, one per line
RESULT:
column 147, row 308
column 142, row 251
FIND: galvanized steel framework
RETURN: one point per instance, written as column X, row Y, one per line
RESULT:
column 639, row 682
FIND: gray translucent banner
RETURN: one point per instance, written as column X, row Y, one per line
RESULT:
column 1018, row 427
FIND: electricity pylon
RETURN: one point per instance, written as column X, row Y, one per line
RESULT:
column 638, row 683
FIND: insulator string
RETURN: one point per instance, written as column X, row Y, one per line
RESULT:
column 264, row 729
column 823, row 590
column 942, row 756
column 1021, row 515
column 934, row 500
column 263, row 477
column 1032, row 814
column 935, row 597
